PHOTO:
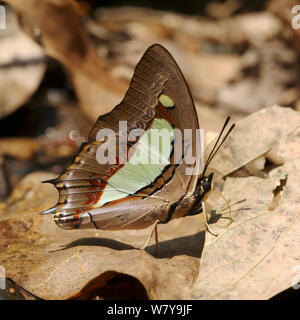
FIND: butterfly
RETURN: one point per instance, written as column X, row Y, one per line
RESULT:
column 126, row 190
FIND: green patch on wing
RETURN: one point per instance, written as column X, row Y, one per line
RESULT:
column 148, row 161
column 166, row 101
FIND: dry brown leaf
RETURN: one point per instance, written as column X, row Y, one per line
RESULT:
column 258, row 27
column 254, row 257
column 192, row 30
column 240, row 263
column 20, row 148
column 268, row 69
column 208, row 73
column 97, row 91
column 253, row 137
column 22, row 67
column 282, row 9
column 287, row 148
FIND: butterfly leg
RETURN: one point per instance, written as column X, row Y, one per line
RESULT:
column 154, row 229
column 206, row 220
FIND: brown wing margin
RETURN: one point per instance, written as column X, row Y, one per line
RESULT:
column 157, row 71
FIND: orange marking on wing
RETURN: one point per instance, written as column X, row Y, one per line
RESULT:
column 95, row 184
column 163, row 113
column 76, row 217
column 100, row 176
column 111, row 203
column 91, row 200
column 63, row 176
column 65, row 225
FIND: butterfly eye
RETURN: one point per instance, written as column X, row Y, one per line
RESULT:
column 206, row 185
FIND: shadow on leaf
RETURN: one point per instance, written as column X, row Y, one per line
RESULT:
column 190, row 245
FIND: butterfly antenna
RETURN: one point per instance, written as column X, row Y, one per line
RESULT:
column 213, row 151
column 220, row 145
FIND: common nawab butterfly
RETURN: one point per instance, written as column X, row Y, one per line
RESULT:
column 131, row 194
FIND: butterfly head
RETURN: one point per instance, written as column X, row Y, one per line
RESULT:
column 202, row 190
column 206, row 183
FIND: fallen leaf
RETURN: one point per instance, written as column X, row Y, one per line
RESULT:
column 254, row 257
column 44, row 258
column 287, row 148
column 20, row 148
column 267, row 70
column 253, row 137
column 74, row 49
column 22, row 67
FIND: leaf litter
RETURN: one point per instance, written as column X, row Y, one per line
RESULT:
column 252, row 258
